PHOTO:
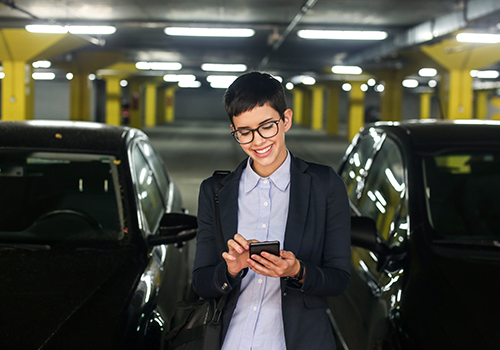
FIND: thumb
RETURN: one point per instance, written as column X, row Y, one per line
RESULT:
column 287, row 255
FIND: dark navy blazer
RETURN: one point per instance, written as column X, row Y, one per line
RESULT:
column 317, row 232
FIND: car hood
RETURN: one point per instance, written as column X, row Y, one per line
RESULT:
column 456, row 299
column 52, row 298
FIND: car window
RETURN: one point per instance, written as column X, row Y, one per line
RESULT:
column 156, row 165
column 48, row 196
column 462, row 191
column 384, row 187
column 148, row 192
column 357, row 165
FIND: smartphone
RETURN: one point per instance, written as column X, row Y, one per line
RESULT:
column 272, row 247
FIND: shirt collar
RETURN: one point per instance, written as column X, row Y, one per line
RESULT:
column 280, row 178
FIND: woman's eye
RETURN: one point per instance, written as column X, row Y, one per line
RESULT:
column 267, row 126
column 244, row 133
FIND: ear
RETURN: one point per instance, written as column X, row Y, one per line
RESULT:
column 288, row 116
column 232, row 127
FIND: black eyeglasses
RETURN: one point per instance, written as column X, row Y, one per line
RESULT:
column 266, row 131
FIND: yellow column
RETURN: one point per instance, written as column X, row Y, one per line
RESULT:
column 482, row 104
column 298, row 106
column 318, row 93
column 113, row 100
column 425, row 105
column 80, row 91
column 332, row 113
column 495, row 102
column 135, row 104
column 306, row 108
column 170, row 104
column 17, row 91
column 150, row 105
column 391, row 100
column 356, row 109
column 456, row 94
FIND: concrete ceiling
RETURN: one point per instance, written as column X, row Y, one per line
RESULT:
column 140, row 25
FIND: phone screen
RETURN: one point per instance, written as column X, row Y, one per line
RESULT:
column 272, row 247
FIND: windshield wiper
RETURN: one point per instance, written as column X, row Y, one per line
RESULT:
column 26, row 246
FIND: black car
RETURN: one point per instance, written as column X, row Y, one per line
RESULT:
column 92, row 238
column 425, row 237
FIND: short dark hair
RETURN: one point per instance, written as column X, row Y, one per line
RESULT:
column 252, row 90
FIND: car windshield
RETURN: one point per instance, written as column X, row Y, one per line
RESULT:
column 462, row 191
column 53, row 197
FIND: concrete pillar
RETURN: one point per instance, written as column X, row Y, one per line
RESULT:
column 298, row 106
column 332, row 113
column 150, row 104
column 391, row 100
column 356, row 109
column 307, row 108
column 317, row 102
column 113, row 100
column 481, row 111
column 135, row 104
column 425, row 105
column 456, row 94
column 170, row 104
column 17, row 91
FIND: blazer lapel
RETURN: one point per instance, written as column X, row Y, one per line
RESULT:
column 300, row 185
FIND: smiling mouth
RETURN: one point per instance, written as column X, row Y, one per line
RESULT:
column 263, row 150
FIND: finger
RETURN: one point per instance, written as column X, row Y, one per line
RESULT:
column 271, row 257
column 234, row 246
column 241, row 241
column 228, row 257
column 287, row 255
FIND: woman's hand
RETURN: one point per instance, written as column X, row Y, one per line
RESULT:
column 237, row 256
column 271, row 265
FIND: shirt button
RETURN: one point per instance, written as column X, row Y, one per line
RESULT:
column 266, row 204
column 260, row 281
column 264, row 225
column 265, row 182
column 224, row 286
column 255, row 308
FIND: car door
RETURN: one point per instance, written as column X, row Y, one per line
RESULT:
column 374, row 175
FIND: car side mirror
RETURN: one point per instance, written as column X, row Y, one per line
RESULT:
column 364, row 235
column 175, row 228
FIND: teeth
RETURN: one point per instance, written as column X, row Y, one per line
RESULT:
column 263, row 150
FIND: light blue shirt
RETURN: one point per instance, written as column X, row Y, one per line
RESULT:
column 257, row 321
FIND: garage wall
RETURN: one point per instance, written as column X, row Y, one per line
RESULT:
column 52, row 100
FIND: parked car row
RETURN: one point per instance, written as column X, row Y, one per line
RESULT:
column 92, row 236
column 425, row 237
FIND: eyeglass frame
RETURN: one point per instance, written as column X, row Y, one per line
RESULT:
column 233, row 133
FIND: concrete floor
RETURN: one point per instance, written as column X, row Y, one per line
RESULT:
column 192, row 151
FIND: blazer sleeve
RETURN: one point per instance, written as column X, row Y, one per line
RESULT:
column 210, row 277
column 329, row 273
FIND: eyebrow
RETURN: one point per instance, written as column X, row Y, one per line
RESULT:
column 270, row 119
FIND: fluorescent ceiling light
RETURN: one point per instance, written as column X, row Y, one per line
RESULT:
column 379, row 88
column 158, row 65
column 432, row 83
column 347, row 70
column 215, row 67
column 69, row 76
column 174, row 78
column 2, row 75
column 210, row 32
column 484, row 74
column 221, row 81
column 371, row 82
column 189, row 84
column 102, row 30
column 427, row 72
column 123, row 83
column 41, row 64
column 58, row 29
column 478, row 38
column 289, row 86
column 43, row 76
column 410, row 83
column 346, row 87
column 342, row 34
column 45, row 28
column 364, row 87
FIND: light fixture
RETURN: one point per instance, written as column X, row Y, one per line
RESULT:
column 427, row 72
column 41, row 64
column 432, row 83
column 289, row 86
column 346, row 87
column 221, row 81
column 91, row 76
column 216, row 67
column 380, row 88
column 175, row 78
column 210, row 32
column 189, row 84
column 364, row 87
column 69, row 76
column 371, row 82
column 59, row 29
column 342, row 34
column 123, row 83
column 478, row 38
column 303, row 79
column 2, row 75
column 410, row 83
column 347, row 70
column 158, row 65
column 43, row 76
column 484, row 74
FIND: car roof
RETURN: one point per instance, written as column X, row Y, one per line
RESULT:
column 430, row 134
column 66, row 136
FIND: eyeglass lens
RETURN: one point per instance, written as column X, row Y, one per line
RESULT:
column 265, row 130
